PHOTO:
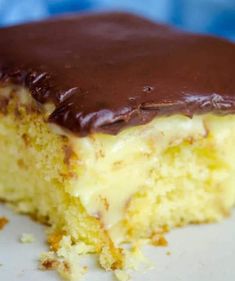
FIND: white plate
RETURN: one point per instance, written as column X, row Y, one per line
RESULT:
column 198, row 253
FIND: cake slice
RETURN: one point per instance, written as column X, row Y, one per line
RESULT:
column 113, row 129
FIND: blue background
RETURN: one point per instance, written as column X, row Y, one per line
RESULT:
column 208, row 16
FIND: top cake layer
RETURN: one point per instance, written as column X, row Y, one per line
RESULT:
column 104, row 72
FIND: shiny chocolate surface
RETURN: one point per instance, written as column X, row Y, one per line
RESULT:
column 105, row 72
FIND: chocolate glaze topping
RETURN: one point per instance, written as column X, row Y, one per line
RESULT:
column 105, row 72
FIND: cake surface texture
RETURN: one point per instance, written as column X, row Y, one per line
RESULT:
column 114, row 129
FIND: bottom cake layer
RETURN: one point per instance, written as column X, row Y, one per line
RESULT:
column 100, row 191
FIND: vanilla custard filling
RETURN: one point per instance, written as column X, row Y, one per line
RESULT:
column 114, row 168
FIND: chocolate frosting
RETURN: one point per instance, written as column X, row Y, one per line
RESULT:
column 104, row 72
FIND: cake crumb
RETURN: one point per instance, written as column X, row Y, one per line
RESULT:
column 168, row 253
column 27, row 238
column 159, row 240
column 67, row 266
column 54, row 240
column 3, row 222
column 48, row 261
column 165, row 229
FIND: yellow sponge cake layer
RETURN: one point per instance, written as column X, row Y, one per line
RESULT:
column 102, row 190
column 36, row 169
